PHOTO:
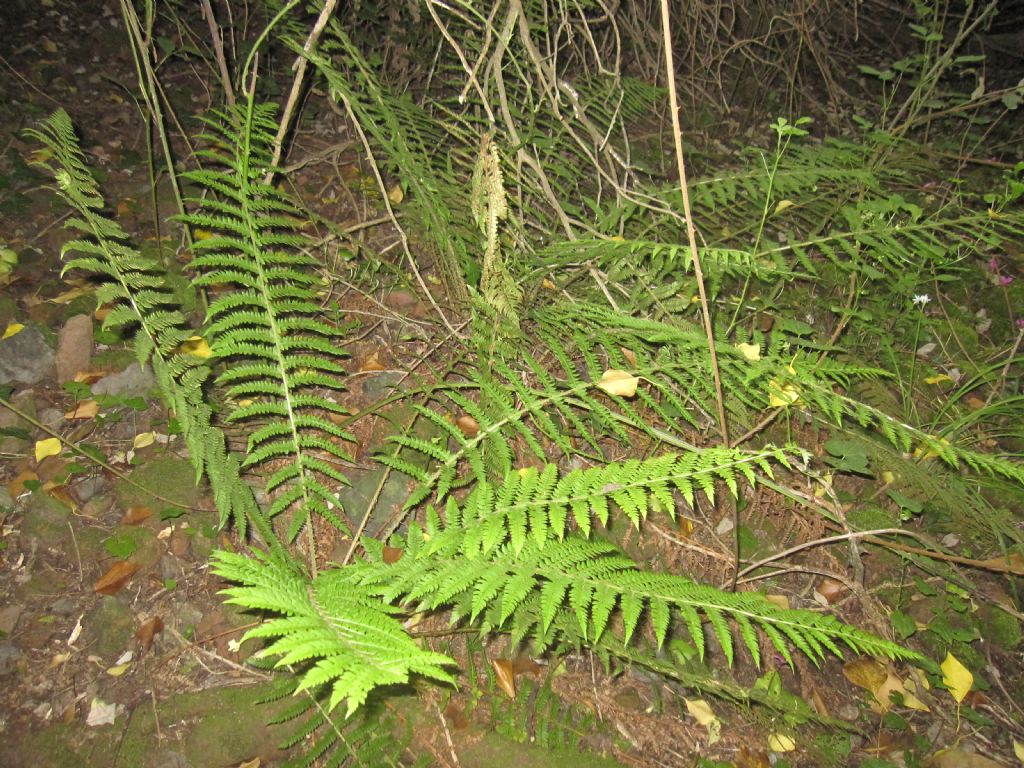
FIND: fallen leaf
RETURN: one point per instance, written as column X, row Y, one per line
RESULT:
column 468, row 426
column 780, row 601
column 391, row 554
column 136, row 515
column 118, row 669
column 144, row 440
column 12, row 329
column 147, row 631
column 956, row 677
column 254, row 763
column 751, row 352
column 629, row 354
column 116, row 578
column 782, row 396
column 371, row 363
column 705, row 716
column 1013, row 563
column 195, row 346
column 395, row 194
column 780, row 742
column 48, row 447
column 505, row 673
column 865, row 673
column 101, row 713
column 17, row 486
column 1018, row 750
column 618, row 383
column 937, row 379
column 456, row 716
column 75, row 632
column 86, row 409
column 960, row 758
column 829, row 590
column 783, row 205
column 892, row 684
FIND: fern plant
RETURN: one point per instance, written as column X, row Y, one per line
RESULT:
column 134, row 286
column 264, row 320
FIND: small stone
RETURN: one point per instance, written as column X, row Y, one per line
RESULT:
column 9, row 616
column 65, row 606
column 25, row 357
column 131, row 382
column 179, row 543
column 74, row 347
column 10, row 655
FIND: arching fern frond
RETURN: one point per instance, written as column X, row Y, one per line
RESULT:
column 576, row 585
column 134, row 284
column 334, row 624
column 263, row 319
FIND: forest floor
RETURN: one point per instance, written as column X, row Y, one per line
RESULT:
column 115, row 648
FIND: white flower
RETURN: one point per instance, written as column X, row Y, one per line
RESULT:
column 921, row 299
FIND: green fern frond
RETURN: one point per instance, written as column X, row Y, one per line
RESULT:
column 586, row 582
column 264, row 320
column 339, row 627
column 135, row 284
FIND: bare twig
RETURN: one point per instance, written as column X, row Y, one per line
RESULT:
column 301, row 61
column 691, row 232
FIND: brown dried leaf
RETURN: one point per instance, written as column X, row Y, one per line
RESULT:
column 115, row 579
column 456, row 716
column 371, row 363
column 504, row 670
column 136, row 515
column 829, row 590
column 866, row 673
column 86, row 409
column 1014, row 563
column 148, row 630
column 17, row 486
column 392, row 554
column 468, row 426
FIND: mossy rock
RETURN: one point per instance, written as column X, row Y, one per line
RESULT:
column 160, row 484
column 212, row 728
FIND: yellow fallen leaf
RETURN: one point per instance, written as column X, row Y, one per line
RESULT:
column 783, row 205
column 143, row 440
column 547, row 285
column 780, row 601
column 706, row 716
column 782, row 396
column 956, row 677
column 118, row 669
column 939, row 379
column 395, row 194
column 201, row 234
column 780, row 742
column 48, row 447
column 1018, row 750
column 750, row 351
column 195, row 346
column 13, row 328
column 618, row 383
column 71, row 294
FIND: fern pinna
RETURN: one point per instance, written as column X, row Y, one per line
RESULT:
column 136, row 290
column 262, row 320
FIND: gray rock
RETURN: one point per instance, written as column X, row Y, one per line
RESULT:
column 25, row 357
column 74, row 347
column 131, row 382
column 108, row 628
column 65, row 606
column 9, row 616
column 9, row 657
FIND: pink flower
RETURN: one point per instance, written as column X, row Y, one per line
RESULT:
column 1004, row 280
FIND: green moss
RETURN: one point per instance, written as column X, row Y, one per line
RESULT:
column 159, row 484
